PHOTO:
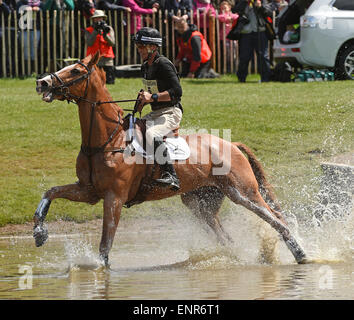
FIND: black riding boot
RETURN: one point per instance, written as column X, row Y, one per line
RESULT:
column 168, row 177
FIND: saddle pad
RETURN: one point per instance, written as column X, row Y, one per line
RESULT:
column 177, row 147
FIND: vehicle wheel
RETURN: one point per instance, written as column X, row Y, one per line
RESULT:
column 345, row 64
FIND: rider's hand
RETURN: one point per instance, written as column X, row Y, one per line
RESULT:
column 145, row 98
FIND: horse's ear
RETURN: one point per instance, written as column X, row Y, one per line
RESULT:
column 94, row 59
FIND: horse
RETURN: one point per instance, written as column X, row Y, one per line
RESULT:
column 104, row 174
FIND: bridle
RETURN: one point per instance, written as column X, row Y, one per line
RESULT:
column 64, row 89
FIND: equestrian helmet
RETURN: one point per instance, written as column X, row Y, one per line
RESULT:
column 148, row 35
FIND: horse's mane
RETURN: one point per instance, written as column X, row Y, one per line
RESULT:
column 101, row 74
column 102, row 77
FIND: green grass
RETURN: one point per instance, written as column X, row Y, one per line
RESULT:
column 291, row 127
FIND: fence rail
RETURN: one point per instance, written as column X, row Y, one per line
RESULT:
column 45, row 41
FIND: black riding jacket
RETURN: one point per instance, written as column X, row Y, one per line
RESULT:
column 164, row 72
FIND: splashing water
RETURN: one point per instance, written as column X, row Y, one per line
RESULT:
column 80, row 254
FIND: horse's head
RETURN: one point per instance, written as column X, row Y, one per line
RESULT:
column 68, row 83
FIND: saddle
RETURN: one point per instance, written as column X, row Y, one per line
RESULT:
column 177, row 147
column 136, row 136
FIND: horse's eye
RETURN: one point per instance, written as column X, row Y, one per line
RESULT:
column 75, row 71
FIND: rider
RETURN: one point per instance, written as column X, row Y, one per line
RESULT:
column 163, row 92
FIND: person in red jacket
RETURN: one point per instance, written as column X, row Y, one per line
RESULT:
column 193, row 52
column 100, row 37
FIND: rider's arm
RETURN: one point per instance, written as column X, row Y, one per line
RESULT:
column 170, row 87
column 146, row 97
column 171, row 78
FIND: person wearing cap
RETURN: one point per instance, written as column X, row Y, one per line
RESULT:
column 162, row 90
column 100, row 37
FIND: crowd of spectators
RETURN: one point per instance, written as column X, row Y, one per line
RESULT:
column 202, row 8
column 228, row 14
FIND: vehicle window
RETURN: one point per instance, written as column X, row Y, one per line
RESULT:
column 344, row 4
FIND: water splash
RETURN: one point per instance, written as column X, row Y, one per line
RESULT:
column 80, row 254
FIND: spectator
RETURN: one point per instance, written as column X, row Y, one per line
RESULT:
column 137, row 11
column 253, row 38
column 59, row 5
column 6, row 7
column 185, row 6
column 226, row 18
column 193, row 52
column 87, row 7
column 205, row 9
column 111, row 5
column 149, row 4
column 100, row 37
column 26, row 6
column 56, row 5
column 278, row 5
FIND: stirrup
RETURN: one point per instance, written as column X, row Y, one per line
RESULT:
column 169, row 180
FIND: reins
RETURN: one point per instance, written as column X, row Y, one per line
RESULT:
column 63, row 89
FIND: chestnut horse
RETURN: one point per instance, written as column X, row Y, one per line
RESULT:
column 104, row 173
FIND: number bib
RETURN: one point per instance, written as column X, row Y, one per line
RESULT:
column 150, row 86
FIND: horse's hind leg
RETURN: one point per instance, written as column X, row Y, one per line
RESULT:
column 72, row 192
column 252, row 200
column 205, row 203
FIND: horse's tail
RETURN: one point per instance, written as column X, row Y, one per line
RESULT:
column 265, row 188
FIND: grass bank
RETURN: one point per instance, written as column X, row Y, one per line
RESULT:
column 291, row 127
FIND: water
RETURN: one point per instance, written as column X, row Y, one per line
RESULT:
column 173, row 258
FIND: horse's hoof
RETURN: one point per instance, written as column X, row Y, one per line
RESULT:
column 40, row 235
column 304, row 261
column 104, row 260
column 296, row 250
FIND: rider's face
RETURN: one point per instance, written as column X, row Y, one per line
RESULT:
column 144, row 50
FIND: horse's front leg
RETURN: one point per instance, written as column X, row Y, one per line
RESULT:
column 72, row 192
column 112, row 208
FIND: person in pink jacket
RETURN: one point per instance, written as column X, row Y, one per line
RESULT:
column 137, row 11
column 226, row 17
column 228, row 51
column 205, row 8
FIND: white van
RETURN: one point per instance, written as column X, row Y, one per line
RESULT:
column 317, row 33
